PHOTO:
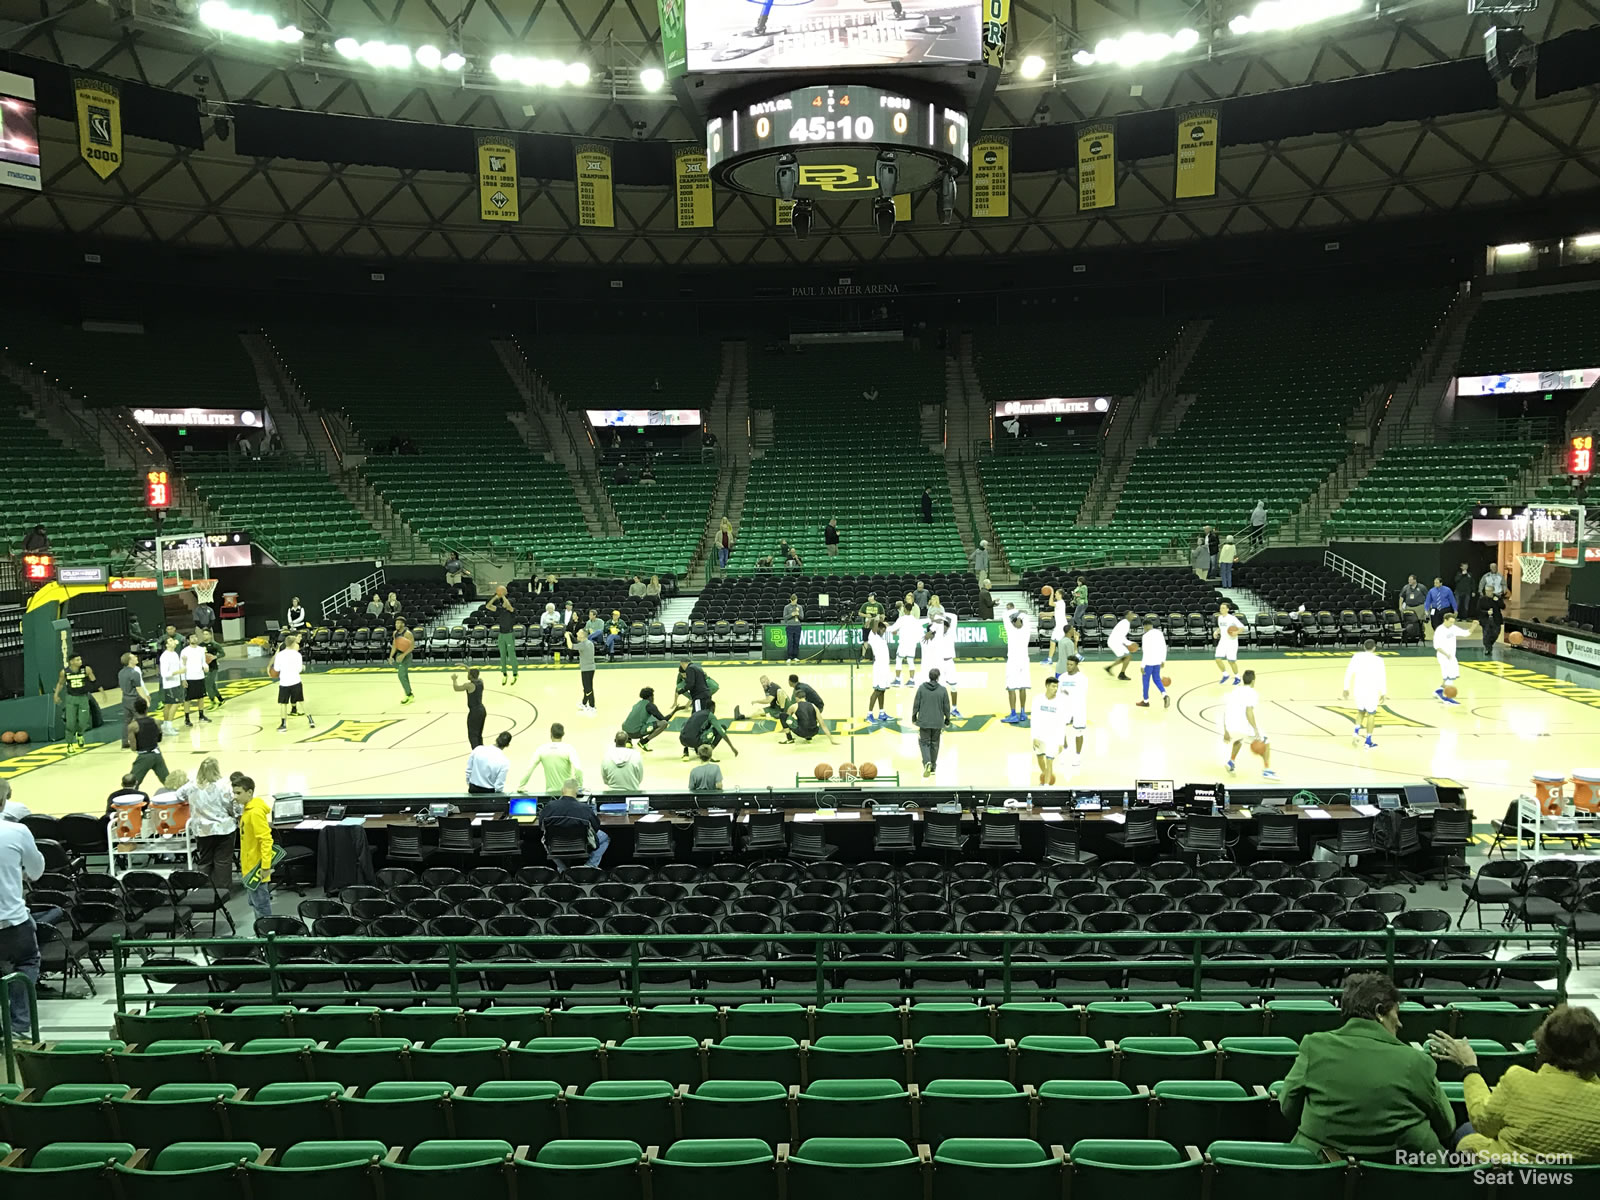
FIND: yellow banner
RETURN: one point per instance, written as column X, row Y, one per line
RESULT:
column 782, row 212
column 497, row 180
column 596, row 207
column 99, row 124
column 996, row 16
column 991, row 176
column 902, row 208
column 694, row 188
column 1197, row 153
column 1097, row 165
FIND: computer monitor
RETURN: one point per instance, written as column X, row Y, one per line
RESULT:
column 524, row 806
column 1203, row 799
column 1389, row 801
column 617, row 807
column 1089, row 803
column 1421, row 795
column 1153, row 793
column 288, row 808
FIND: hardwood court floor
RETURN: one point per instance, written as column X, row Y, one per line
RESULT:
column 1515, row 717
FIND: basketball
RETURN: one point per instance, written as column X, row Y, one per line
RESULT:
column 403, row 644
column 272, row 672
column 20, row 737
column 1047, row 591
column 823, row 771
column 1514, row 637
column 847, row 770
column 8, row 737
column 1166, row 681
column 869, row 770
column 1450, row 691
column 1258, row 746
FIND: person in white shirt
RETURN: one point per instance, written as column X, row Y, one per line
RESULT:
column 1445, row 637
column 213, row 822
column 1229, row 627
column 907, row 630
column 1152, row 657
column 931, row 651
column 1019, row 633
column 20, row 863
column 296, row 615
column 947, row 650
column 170, row 666
column 193, row 658
column 1239, row 719
column 1366, row 680
column 1049, row 729
column 622, row 769
column 877, row 645
column 549, row 617
column 1075, row 705
column 1120, row 643
column 288, row 666
column 488, row 766
column 1058, row 628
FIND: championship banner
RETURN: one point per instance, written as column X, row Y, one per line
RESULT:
column 902, row 208
column 99, row 104
column 497, row 180
column 693, row 186
column 596, row 209
column 1097, row 165
column 1197, row 153
column 974, row 639
column 991, row 176
column 783, row 210
column 996, row 16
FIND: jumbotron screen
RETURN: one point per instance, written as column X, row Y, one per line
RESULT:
column 642, row 417
column 802, row 35
column 19, row 133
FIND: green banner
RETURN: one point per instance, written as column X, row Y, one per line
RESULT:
column 674, row 38
column 974, row 639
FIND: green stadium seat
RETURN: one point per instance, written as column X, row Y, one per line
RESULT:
column 979, row 1168
column 676, row 1058
column 363, row 1061
column 769, row 1020
column 79, row 1111
column 1270, row 1170
column 263, row 1061
column 1049, row 1056
column 190, row 1061
column 1112, row 1020
column 1497, row 1020
column 282, row 1114
column 1386, row 1181
column 858, row 1018
column 1257, row 1060
column 1197, row 1112
column 173, row 1112
column 1020, row 1018
column 317, row 1171
column 843, row 1056
column 736, row 1108
column 87, row 1061
column 164, row 1023
column 510, row 1022
column 81, row 1170
column 1149, row 1060
column 1213, row 1020
column 702, row 1022
column 188, row 1171
column 597, row 1170
column 525, row 1111
column 1296, row 1018
column 843, row 1107
column 236, row 1026
column 692, row 1170
column 467, row 1061
column 947, row 1017
column 608, row 1022
column 1111, row 1170
column 399, row 1112
column 990, row 1108
column 1070, row 1109
column 846, row 1168
column 567, row 1060
column 477, row 1167
column 742, row 1056
column 645, row 1109
column 961, row 1056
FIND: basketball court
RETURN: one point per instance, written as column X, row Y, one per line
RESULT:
column 1518, row 713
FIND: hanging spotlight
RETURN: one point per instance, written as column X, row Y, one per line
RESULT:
column 429, row 57
column 652, row 79
column 1032, row 67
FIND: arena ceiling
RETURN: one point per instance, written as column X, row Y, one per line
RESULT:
column 1519, row 150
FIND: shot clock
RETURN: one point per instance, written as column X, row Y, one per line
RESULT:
column 835, row 132
column 1580, row 455
column 157, row 490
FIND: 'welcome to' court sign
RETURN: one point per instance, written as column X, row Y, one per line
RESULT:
column 974, row 639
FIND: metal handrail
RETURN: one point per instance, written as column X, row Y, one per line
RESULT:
column 7, row 982
column 277, row 958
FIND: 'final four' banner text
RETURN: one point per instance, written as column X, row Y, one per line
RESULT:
column 497, row 179
column 1197, row 153
column 99, row 105
column 595, row 204
column 1097, row 165
column 693, row 181
column 991, row 176
column 996, row 15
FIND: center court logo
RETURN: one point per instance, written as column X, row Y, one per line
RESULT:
column 351, row 731
column 1386, row 717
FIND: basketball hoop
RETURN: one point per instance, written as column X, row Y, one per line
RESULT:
column 205, row 590
column 1532, row 566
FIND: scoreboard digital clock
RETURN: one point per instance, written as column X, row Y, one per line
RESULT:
column 834, row 134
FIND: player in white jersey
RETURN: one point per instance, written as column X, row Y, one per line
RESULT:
column 288, row 666
column 170, row 665
column 1445, row 637
column 193, row 658
column 1075, row 707
column 947, row 650
column 882, row 669
column 1152, row 658
column 907, row 631
column 1019, row 633
column 1058, row 627
column 1366, row 680
column 1049, row 729
column 1120, row 643
column 1229, row 629
column 1238, row 720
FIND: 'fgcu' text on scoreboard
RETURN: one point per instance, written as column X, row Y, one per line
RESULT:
column 975, row 639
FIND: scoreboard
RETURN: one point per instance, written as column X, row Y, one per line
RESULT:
column 1580, row 455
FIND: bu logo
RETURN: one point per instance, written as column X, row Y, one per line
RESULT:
column 835, row 177
column 99, row 126
column 497, row 163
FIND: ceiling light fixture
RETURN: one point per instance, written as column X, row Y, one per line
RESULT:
column 1132, row 49
column 1032, row 67
column 1273, row 15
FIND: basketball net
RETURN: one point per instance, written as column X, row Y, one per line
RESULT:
column 1532, row 567
column 205, row 590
